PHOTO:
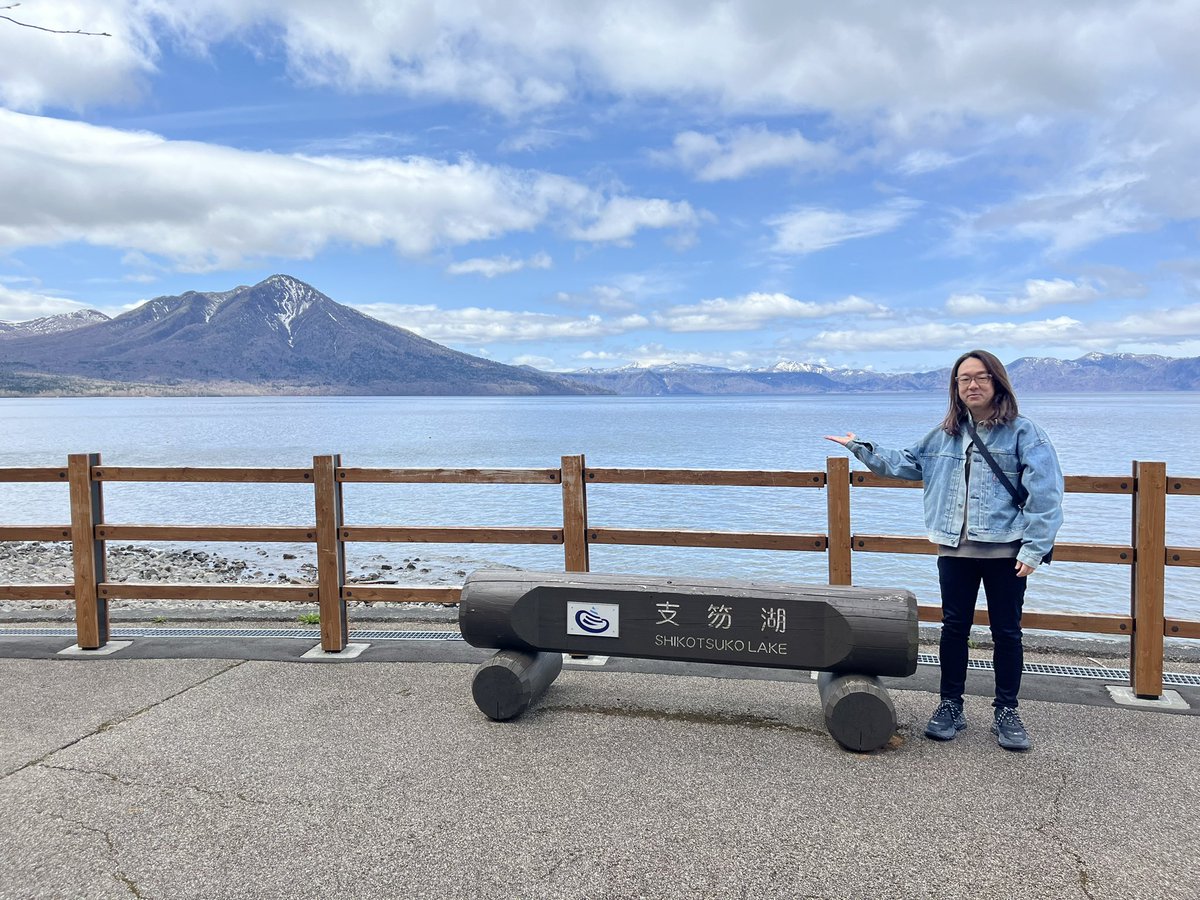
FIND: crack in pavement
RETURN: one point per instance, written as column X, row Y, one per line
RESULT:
column 118, row 875
column 129, row 883
column 105, row 726
column 111, row 776
column 239, row 795
column 220, row 795
column 1049, row 829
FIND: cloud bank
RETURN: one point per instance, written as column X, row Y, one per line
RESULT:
column 205, row 207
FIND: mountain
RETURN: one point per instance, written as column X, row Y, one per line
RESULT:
column 52, row 324
column 782, row 378
column 278, row 336
column 1106, row 372
column 282, row 336
column 656, row 381
column 1111, row 373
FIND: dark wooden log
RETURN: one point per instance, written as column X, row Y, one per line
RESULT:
column 858, row 710
column 820, row 627
column 509, row 683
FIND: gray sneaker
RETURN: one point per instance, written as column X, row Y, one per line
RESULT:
column 947, row 721
column 1009, row 730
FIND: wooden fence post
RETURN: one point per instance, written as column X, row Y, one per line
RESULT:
column 87, row 511
column 1148, row 577
column 837, row 497
column 574, row 494
column 331, row 559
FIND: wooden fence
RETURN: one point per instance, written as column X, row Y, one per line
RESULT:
column 1146, row 555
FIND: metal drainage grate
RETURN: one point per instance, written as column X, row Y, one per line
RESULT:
column 310, row 634
column 1097, row 672
column 407, row 635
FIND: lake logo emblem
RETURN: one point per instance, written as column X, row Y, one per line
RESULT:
column 594, row 619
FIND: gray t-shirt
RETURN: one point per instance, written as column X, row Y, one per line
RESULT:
column 977, row 549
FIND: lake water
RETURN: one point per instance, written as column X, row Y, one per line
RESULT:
column 1094, row 434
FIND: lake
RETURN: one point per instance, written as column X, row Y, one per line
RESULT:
column 1094, row 434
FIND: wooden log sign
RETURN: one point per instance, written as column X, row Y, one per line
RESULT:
column 511, row 681
column 869, row 631
column 858, row 711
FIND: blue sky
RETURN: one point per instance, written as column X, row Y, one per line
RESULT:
column 604, row 183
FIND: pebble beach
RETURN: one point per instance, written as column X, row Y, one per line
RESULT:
column 32, row 562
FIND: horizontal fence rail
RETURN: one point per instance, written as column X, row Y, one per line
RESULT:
column 1146, row 555
column 450, row 476
column 217, row 476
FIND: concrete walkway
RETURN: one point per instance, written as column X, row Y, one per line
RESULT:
column 263, row 776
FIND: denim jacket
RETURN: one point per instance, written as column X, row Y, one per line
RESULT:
column 1024, row 454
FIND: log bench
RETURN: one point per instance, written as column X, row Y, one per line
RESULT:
column 851, row 635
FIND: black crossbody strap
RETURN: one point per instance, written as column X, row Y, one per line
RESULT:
column 1019, row 497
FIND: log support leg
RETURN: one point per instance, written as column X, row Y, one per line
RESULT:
column 511, row 681
column 858, row 711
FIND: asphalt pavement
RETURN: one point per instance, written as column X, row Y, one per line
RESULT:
column 233, row 768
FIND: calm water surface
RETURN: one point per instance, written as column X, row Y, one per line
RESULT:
column 1094, row 434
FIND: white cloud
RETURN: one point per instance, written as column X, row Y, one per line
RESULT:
column 363, row 143
column 1024, row 57
column 619, row 218
column 23, row 305
column 624, row 292
column 541, row 139
column 809, row 229
column 1151, row 330
column 1070, row 215
column 38, row 69
column 592, row 355
column 499, row 265
column 604, row 297
column 538, row 362
column 920, row 162
column 476, row 325
column 1174, row 325
column 745, row 151
column 1128, row 172
column 206, row 207
column 755, row 310
column 1038, row 294
column 1112, row 77
column 972, row 305
column 659, row 355
column 953, row 335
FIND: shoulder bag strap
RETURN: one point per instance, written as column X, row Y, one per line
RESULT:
column 1018, row 497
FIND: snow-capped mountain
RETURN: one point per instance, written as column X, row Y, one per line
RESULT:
column 280, row 335
column 284, row 336
column 81, row 318
column 1095, row 371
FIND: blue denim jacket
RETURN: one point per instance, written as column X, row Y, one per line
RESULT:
column 1024, row 454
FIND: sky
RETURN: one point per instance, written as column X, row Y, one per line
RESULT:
column 603, row 183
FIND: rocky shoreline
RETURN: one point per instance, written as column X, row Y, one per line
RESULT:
column 33, row 562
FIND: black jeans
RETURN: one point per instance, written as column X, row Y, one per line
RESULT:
column 960, row 577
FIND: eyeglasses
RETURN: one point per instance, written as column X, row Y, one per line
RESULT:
column 982, row 380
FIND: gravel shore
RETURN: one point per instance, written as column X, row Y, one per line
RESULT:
column 50, row 563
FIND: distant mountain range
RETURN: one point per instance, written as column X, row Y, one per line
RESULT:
column 52, row 324
column 282, row 336
column 1094, row 372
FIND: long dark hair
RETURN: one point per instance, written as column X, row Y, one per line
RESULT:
column 1004, row 403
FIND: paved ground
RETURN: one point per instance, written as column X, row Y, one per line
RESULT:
column 261, row 776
